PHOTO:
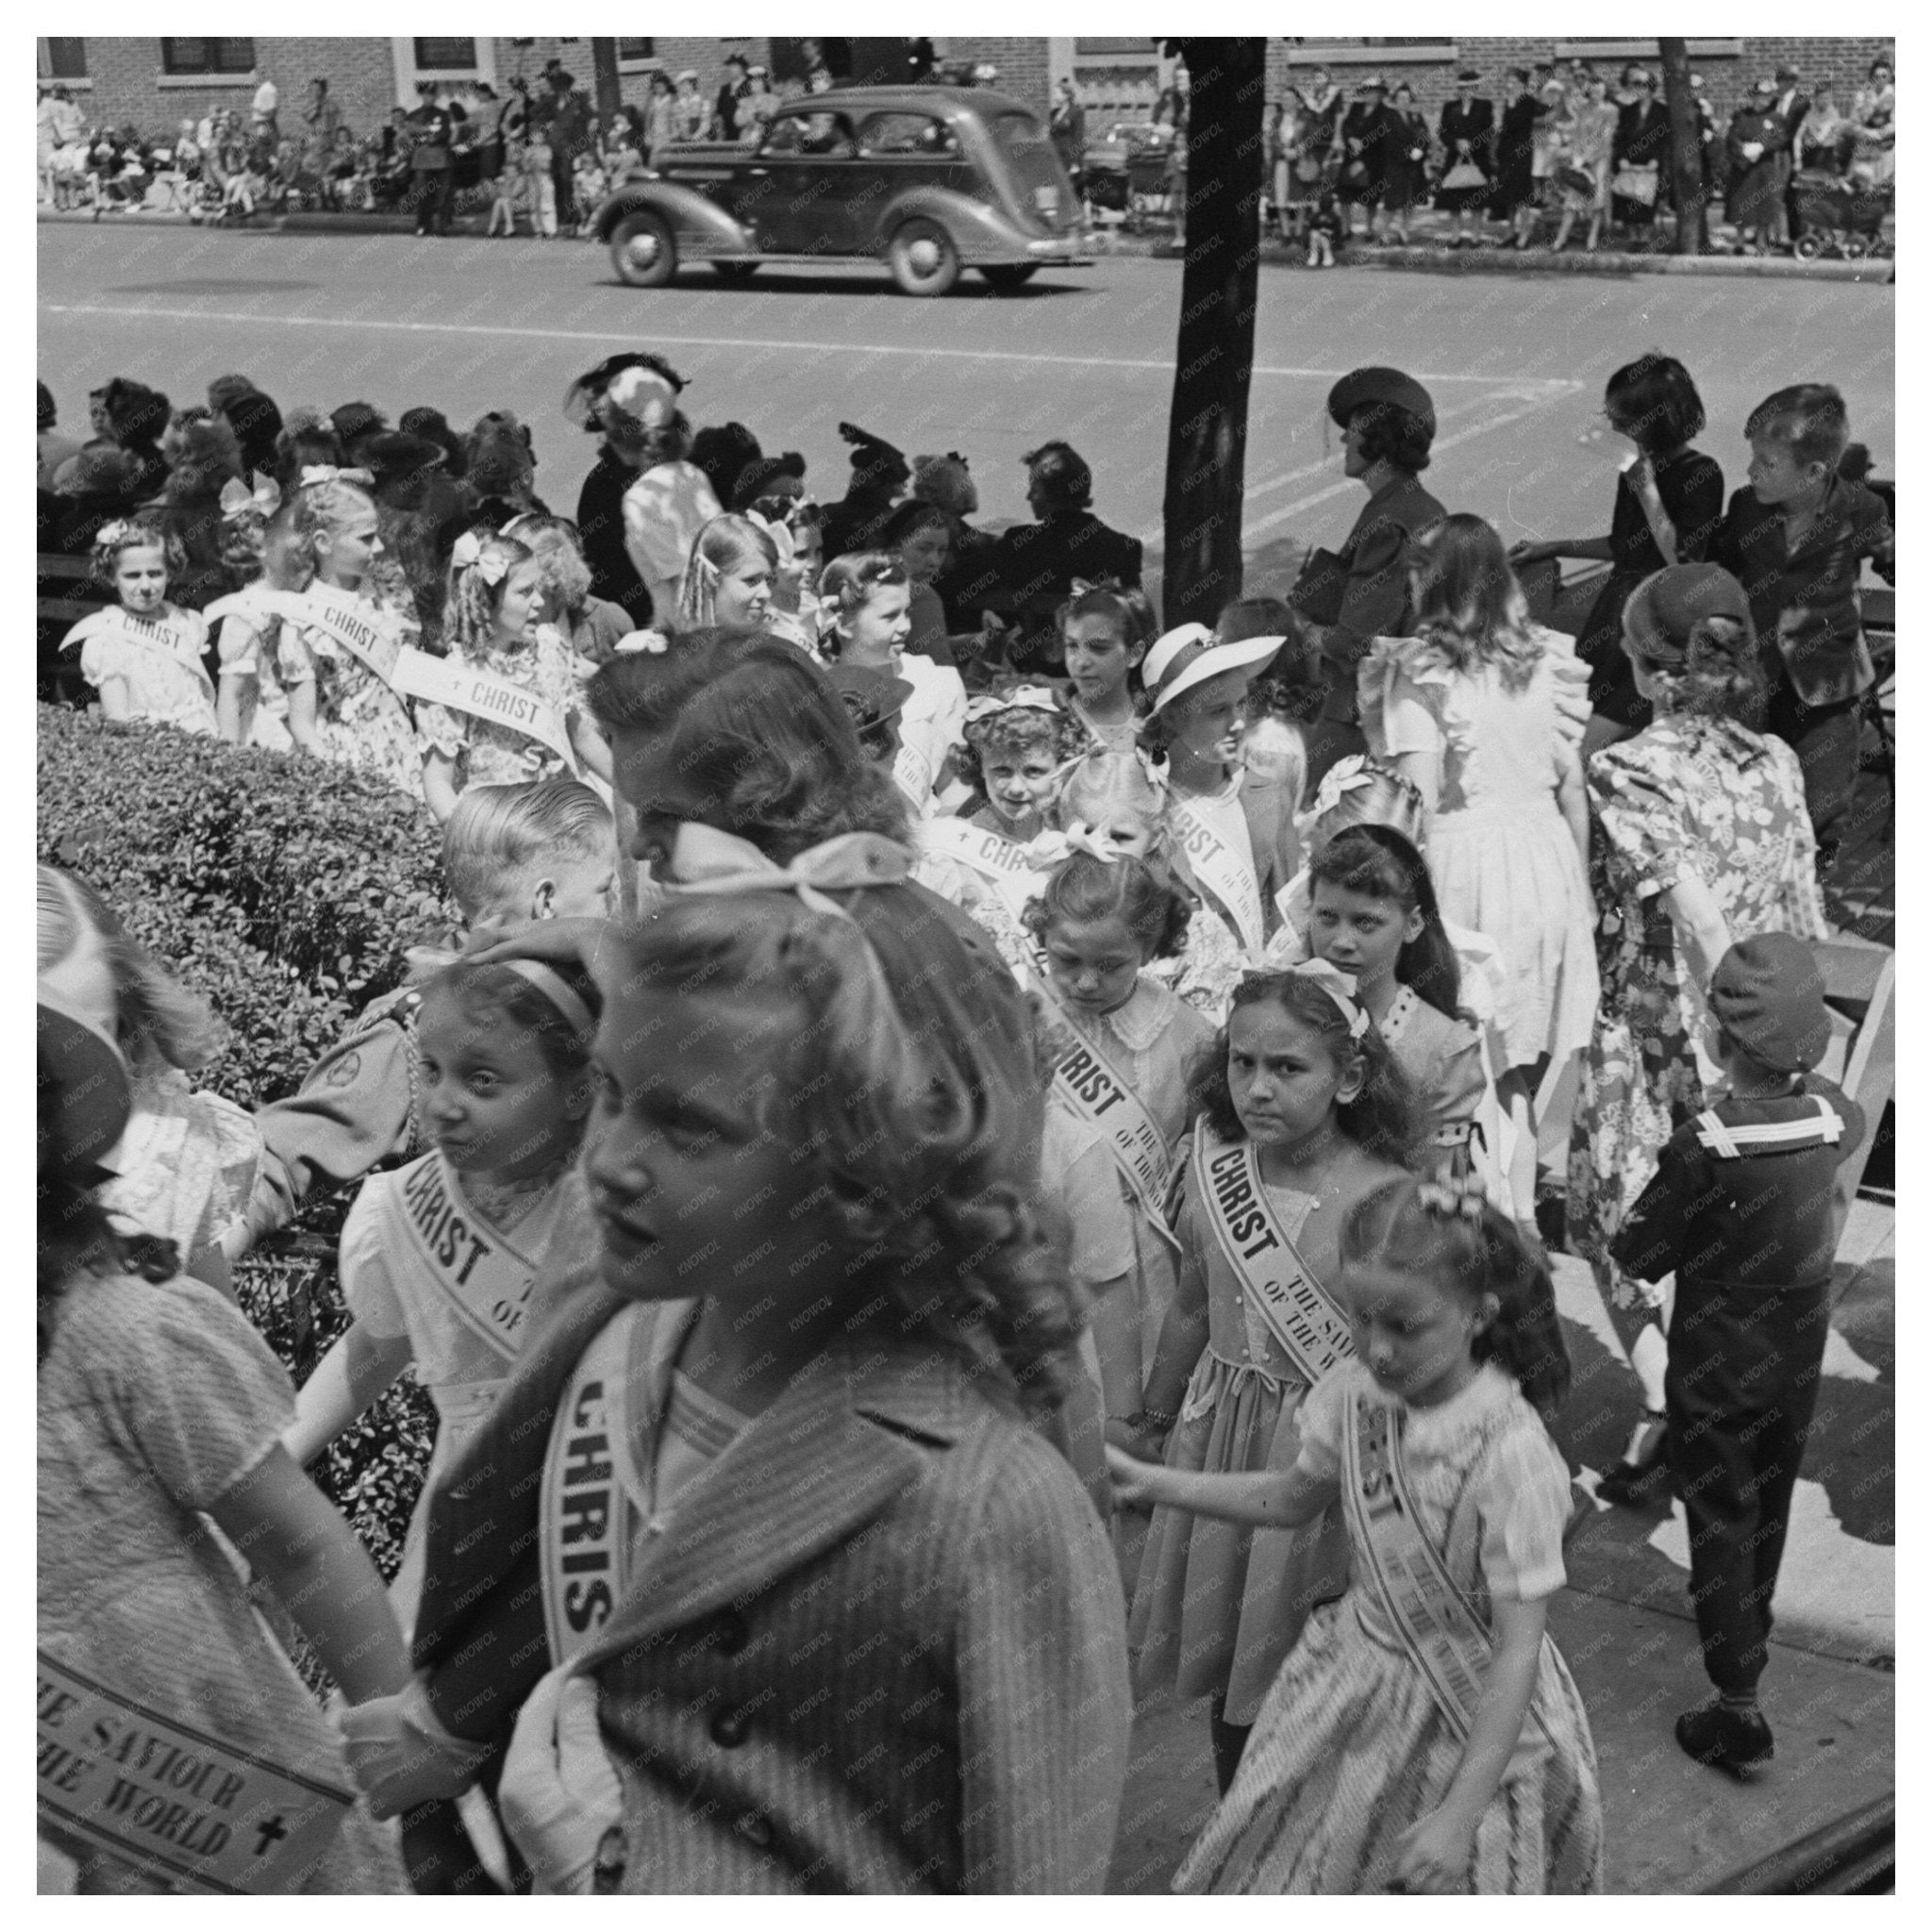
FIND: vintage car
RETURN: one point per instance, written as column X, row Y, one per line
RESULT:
column 929, row 179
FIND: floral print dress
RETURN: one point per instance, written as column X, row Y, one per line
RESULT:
column 542, row 663
column 359, row 719
column 1690, row 796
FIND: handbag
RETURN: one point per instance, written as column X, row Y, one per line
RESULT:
column 1319, row 586
column 1577, row 180
column 1636, row 184
column 1307, row 169
column 1465, row 175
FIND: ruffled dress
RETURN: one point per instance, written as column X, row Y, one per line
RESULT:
column 1219, row 1604
column 165, row 685
column 1687, row 797
column 1350, row 1749
column 359, row 720
column 153, row 1402
column 1502, row 857
column 486, row 753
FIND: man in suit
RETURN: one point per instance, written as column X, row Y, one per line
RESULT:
column 726, row 117
column 564, row 117
column 1035, row 564
column 1791, row 106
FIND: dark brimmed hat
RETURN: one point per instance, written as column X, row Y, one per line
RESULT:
column 1668, row 605
column 1768, row 994
column 757, row 478
column 874, row 697
column 582, row 398
column 1467, row 77
column 1374, row 84
column 1360, row 388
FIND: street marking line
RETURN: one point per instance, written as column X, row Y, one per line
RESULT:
column 1555, row 384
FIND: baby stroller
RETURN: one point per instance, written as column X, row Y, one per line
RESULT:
column 1836, row 216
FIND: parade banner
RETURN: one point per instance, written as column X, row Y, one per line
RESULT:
column 1299, row 1313
column 481, row 1276
column 201, row 1814
column 590, row 1490
column 1443, row 1637
column 1089, row 1088
column 1224, row 873
column 995, row 857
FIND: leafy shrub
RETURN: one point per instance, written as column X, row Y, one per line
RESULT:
column 284, row 891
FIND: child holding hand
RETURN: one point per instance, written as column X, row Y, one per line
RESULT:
column 1426, row 1735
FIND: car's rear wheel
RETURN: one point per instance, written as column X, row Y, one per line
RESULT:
column 735, row 271
column 922, row 257
column 643, row 250
column 1004, row 277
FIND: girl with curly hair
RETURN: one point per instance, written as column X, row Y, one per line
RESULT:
column 821, row 1309
column 143, row 654
column 1305, row 1114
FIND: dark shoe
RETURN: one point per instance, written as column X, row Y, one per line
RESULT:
column 1638, row 1481
column 1726, row 1739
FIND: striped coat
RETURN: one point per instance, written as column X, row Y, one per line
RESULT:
column 881, row 1646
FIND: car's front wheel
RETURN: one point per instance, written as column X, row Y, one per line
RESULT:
column 643, row 250
column 922, row 257
column 1004, row 277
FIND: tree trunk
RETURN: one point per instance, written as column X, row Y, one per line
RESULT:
column 1214, row 348
column 609, row 85
column 1687, row 149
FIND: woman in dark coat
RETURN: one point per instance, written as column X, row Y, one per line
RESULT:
column 1467, row 131
column 1405, row 179
column 1365, row 131
column 600, row 503
column 1642, row 143
column 1515, row 200
column 1755, row 140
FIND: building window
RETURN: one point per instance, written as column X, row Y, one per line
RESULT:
column 62, row 59
column 645, row 49
column 445, row 56
column 208, row 57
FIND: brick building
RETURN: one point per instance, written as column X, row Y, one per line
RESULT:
column 155, row 83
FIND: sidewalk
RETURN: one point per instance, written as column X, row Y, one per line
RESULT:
column 1419, row 258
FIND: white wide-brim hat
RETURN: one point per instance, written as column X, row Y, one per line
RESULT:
column 1191, row 653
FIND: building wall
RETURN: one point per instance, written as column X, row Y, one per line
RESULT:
column 126, row 83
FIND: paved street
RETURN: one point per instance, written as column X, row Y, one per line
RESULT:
column 1517, row 366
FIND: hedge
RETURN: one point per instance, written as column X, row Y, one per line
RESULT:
column 284, row 891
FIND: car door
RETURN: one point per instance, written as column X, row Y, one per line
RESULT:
column 798, row 187
column 899, row 150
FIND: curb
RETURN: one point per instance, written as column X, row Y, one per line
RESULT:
column 1104, row 243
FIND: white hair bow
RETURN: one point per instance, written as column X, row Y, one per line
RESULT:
column 1349, row 774
column 1340, row 987
column 328, row 472
column 238, row 499
column 468, row 554
column 116, row 532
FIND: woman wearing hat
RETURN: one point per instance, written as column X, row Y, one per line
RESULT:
column 1367, row 130
column 1756, row 143
column 1703, row 837
column 1237, row 832
column 1516, row 142
column 1347, row 596
column 589, row 403
column 1467, row 130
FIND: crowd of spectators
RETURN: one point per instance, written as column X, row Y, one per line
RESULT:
column 1568, row 150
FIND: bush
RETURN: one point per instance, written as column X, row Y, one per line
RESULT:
column 284, row 891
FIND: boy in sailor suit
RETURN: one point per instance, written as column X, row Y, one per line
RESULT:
column 1745, row 1207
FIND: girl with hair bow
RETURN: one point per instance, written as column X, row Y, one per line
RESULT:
column 1304, row 1114
column 482, row 733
